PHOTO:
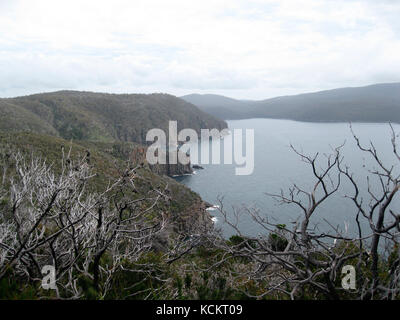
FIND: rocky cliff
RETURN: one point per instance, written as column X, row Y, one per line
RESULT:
column 138, row 156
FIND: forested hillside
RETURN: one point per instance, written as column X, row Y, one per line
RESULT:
column 73, row 164
column 100, row 117
column 111, row 128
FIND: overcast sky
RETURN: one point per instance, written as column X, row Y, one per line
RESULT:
column 250, row 49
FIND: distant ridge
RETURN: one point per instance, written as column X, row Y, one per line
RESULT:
column 373, row 103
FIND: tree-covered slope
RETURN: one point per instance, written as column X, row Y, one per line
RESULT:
column 14, row 118
column 101, row 117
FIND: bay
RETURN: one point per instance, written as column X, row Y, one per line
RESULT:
column 278, row 167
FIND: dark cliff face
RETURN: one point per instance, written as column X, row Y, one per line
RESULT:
column 171, row 169
column 138, row 156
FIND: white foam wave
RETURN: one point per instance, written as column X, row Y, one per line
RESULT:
column 213, row 208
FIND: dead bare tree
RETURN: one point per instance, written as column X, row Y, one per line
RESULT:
column 301, row 261
column 377, row 211
column 54, row 219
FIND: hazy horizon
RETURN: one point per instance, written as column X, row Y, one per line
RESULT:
column 198, row 93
